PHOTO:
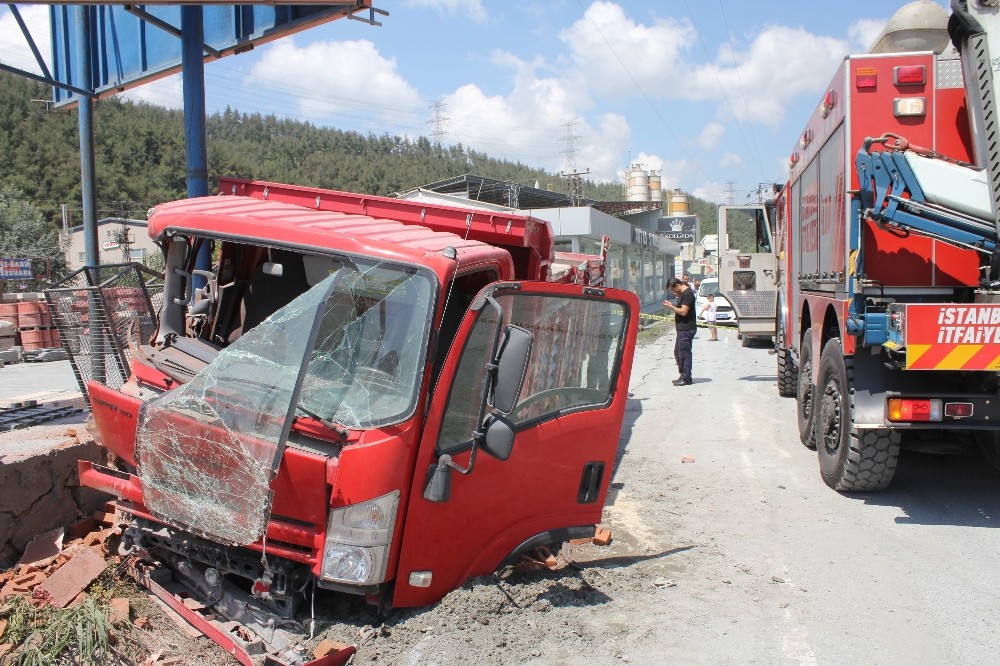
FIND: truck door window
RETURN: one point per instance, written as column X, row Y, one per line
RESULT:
column 747, row 230
column 577, row 346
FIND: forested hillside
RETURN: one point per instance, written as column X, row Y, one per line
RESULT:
column 140, row 156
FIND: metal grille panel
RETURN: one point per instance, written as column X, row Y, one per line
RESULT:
column 754, row 304
column 96, row 309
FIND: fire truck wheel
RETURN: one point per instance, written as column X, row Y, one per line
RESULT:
column 989, row 446
column 804, row 394
column 788, row 372
column 849, row 460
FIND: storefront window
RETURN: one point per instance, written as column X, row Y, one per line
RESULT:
column 563, row 244
column 635, row 272
column 660, row 278
column 590, row 245
column 616, row 258
column 649, row 288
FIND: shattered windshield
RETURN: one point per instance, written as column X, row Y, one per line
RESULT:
column 364, row 370
column 349, row 350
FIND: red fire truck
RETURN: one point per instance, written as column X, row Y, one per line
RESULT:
column 368, row 395
column 887, row 311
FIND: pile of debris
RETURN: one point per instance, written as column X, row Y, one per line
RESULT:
column 69, row 568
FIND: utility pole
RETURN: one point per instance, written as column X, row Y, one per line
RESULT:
column 570, row 173
column 437, row 121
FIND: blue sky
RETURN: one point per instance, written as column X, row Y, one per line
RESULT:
column 710, row 92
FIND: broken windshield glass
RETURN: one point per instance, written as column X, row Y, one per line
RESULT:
column 349, row 350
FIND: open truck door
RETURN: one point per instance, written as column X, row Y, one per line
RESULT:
column 746, row 268
column 522, row 433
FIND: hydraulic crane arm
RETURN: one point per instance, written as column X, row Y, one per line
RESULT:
column 911, row 190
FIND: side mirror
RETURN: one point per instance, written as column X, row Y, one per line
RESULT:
column 512, row 364
column 499, row 439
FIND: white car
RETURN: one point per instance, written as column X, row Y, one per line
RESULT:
column 724, row 315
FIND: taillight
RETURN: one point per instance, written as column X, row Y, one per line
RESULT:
column 910, row 409
column 865, row 77
column 910, row 75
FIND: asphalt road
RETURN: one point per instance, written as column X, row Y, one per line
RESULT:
column 770, row 565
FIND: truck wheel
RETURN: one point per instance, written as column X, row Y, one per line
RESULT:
column 788, row 372
column 989, row 446
column 849, row 460
column 805, row 393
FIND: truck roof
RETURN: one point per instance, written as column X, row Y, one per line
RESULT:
column 286, row 224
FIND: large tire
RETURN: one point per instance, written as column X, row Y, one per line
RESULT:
column 989, row 445
column 849, row 460
column 805, row 394
column 788, row 372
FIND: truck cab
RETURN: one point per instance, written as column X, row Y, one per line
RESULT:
column 746, row 268
column 362, row 394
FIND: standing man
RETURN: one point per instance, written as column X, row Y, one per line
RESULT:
column 686, row 325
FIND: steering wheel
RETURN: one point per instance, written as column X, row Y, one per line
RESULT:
column 372, row 376
column 563, row 396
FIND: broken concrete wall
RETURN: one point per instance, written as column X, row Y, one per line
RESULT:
column 40, row 485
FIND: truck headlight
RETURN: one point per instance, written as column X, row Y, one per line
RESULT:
column 358, row 539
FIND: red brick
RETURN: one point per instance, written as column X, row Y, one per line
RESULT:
column 328, row 646
column 119, row 608
column 74, row 577
column 602, row 537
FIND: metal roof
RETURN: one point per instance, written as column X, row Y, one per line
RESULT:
column 502, row 192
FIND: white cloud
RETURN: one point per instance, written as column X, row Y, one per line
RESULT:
column 730, row 160
column 863, row 32
column 14, row 49
column 711, row 135
column 473, row 8
column 612, row 53
column 712, row 191
column 529, row 123
column 333, row 77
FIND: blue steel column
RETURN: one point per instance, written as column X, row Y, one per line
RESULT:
column 85, row 107
column 193, row 73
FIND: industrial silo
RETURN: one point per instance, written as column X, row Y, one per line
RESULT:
column 678, row 203
column 638, row 183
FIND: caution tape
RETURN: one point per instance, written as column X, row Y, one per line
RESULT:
column 701, row 324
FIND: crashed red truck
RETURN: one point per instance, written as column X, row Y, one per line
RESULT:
column 368, row 395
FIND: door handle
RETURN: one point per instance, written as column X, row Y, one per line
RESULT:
column 590, row 482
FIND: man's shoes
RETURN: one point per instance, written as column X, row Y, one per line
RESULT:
column 680, row 381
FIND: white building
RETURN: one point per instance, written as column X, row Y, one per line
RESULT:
column 110, row 233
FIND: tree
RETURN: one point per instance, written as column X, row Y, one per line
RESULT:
column 24, row 233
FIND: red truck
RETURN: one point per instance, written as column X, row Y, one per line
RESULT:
column 882, row 274
column 368, row 395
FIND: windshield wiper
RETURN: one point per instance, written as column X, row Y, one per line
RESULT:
column 339, row 430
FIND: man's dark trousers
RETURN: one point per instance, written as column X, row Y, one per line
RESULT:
column 682, row 353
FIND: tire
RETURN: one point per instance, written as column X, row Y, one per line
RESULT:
column 788, row 372
column 849, row 460
column 804, row 394
column 989, row 446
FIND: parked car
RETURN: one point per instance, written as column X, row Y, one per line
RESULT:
column 724, row 315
